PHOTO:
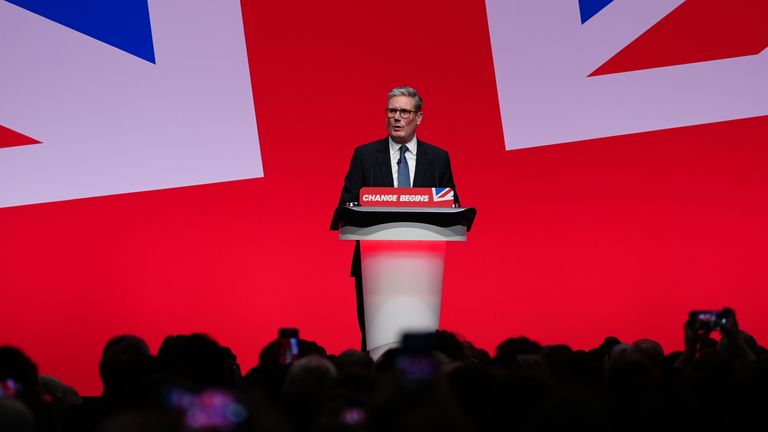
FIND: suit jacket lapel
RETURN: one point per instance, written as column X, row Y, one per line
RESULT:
column 421, row 176
column 385, row 165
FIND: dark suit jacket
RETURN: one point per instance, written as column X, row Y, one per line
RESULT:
column 372, row 166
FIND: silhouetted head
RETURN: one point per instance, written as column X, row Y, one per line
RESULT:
column 198, row 359
column 475, row 354
column 309, row 376
column 15, row 416
column 124, row 347
column 449, row 344
column 650, row 350
column 124, row 357
column 21, row 372
column 52, row 389
column 599, row 353
column 387, row 362
column 628, row 373
column 617, row 351
column 354, row 360
column 508, row 351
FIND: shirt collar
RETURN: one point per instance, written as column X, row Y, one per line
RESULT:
column 395, row 147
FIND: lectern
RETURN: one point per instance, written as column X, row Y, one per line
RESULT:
column 402, row 253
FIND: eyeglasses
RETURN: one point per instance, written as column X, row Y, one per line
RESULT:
column 404, row 113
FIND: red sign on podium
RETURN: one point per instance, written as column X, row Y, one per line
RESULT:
column 406, row 197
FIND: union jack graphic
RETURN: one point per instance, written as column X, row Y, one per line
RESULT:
column 600, row 68
column 101, row 124
column 442, row 194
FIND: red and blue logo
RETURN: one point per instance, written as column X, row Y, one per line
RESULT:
column 442, row 194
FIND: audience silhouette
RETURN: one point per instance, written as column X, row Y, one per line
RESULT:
column 437, row 381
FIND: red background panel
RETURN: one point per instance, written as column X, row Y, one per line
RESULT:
column 617, row 236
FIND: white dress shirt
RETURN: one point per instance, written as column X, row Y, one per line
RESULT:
column 410, row 156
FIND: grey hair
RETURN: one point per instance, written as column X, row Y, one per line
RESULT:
column 406, row 91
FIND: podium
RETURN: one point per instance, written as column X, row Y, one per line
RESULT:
column 402, row 256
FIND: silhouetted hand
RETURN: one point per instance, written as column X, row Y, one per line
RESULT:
column 693, row 336
column 730, row 329
column 732, row 335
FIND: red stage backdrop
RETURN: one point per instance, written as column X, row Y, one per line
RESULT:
column 573, row 242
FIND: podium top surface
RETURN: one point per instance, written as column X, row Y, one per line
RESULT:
column 370, row 216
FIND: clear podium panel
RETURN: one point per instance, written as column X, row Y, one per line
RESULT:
column 402, row 289
column 404, row 231
column 402, row 254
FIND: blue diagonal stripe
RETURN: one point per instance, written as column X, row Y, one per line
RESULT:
column 590, row 8
column 123, row 24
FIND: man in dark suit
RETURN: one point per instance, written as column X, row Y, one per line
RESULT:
column 400, row 160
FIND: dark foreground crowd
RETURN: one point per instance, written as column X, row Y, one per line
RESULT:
column 433, row 382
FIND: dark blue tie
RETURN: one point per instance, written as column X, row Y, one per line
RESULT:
column 403, row 173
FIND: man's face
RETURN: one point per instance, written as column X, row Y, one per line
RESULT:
column 400, row 129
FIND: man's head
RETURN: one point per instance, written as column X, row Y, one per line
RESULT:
column 403, row 114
